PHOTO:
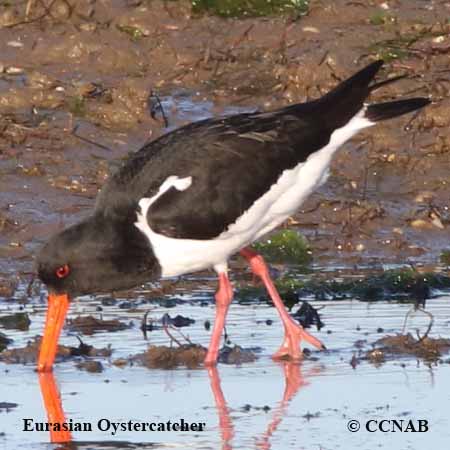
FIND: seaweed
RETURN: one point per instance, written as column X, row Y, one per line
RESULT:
column 404, row 285
column 4, row 341
column 250, row 8
column 17, row 321
column 382, row 18
column 285, row 247
column 445, row 257
column 135, row 33
column 77, row 105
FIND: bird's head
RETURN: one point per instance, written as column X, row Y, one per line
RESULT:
column 97, row 255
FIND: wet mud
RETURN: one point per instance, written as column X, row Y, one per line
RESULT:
column 89, row 325
column 4, row 341
column 29, row 353
column 190, row 356
column 78, row 86
column 397, row 346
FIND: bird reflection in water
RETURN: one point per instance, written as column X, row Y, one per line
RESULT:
column 294, row 380
column 53, row 406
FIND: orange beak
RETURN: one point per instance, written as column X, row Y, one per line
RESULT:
column 56, row 315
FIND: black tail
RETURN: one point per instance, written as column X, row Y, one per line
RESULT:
column 347, row 99
column 383, row 111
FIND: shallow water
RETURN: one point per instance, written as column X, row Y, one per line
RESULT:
column 320, row 395
column 387, row 176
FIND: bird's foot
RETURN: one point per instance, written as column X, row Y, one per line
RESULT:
column 293, row 336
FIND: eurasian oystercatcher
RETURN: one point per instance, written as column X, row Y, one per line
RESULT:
column 194, row 197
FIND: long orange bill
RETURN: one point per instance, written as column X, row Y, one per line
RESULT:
column 56, row 315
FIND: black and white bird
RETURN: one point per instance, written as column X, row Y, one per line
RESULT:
column 196, row 196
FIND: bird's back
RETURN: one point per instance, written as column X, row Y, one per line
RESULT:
column 234, row 161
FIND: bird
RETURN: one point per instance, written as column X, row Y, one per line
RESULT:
column 196, row 196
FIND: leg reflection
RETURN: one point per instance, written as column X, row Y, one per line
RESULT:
column 293, row 382
column 53, row 406
column 226, row 426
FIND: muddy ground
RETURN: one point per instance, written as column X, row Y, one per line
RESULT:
column 75, row 80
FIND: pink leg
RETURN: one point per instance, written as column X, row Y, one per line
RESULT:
column 224, row 295
column 293, row 333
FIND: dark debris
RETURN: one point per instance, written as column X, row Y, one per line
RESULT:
column 89, row 325
column 18, row 321
column 307, row 316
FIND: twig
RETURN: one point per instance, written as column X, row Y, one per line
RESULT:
column 171, row 336
column 89, row 141
column 30, row 5
column 413, row 309
column 30, row 285
column 429, row 326
column 36, row 19
column 324, row 57
column 144, row 325
column 183, row 336
column 408, row 127
column 238, row 40
column 154, row 107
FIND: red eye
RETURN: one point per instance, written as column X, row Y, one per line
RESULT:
column 63, row 271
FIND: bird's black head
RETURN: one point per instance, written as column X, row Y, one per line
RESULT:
column 100, row 254
column 97, row 255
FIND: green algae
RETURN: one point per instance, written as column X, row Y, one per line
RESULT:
column 403, row 285
column 285, row 247
column 250, row 8
column 445, row 257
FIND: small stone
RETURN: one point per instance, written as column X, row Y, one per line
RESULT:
column 16, row 44
column 109, row 301
column 391, row 157
column 420, row 223
column 88, row 26
column 120, row 362
column 14, row 70
column 7, row 406
column 125, row 305
column 439, row 39
column 91, row 366
column 311, row 29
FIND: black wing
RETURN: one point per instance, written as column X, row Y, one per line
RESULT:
column 233, row 161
